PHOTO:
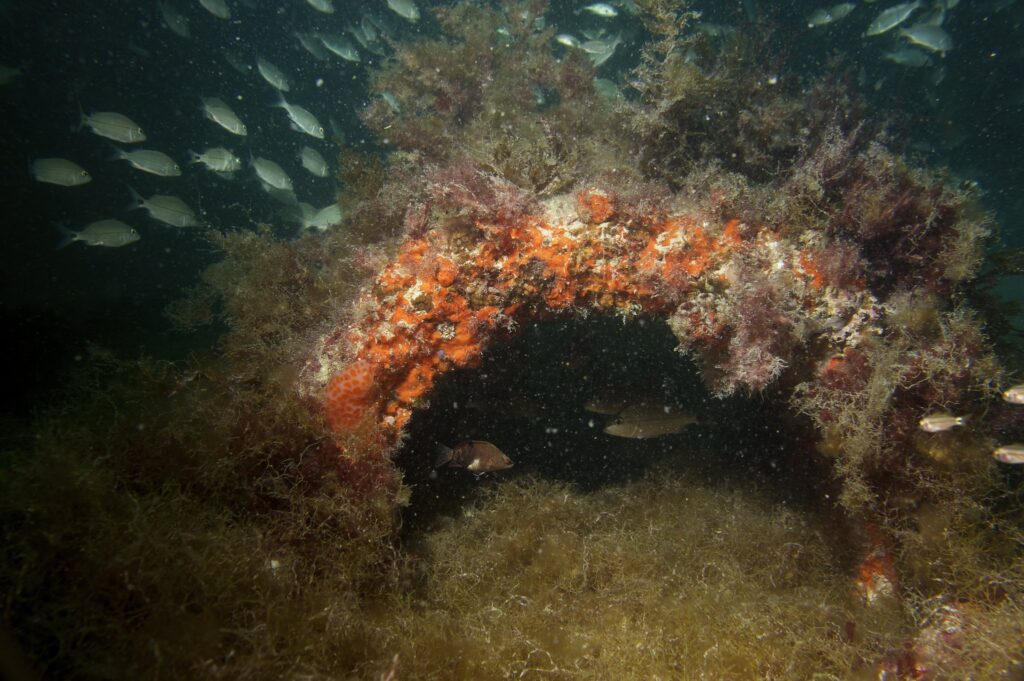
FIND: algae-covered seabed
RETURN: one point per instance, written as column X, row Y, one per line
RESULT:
column 754, row 249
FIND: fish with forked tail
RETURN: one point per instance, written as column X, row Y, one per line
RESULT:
column 476, row 456
column 939, row 423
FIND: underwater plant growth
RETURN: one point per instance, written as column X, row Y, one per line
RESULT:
column 270, row 510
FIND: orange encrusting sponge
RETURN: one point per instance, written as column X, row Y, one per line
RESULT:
column 349, row 396
column 438, row 304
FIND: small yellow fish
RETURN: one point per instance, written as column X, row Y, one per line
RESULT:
column 1012, row 454
column 937, row 423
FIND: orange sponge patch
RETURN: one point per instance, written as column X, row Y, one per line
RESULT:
column 594, row 206
column 440, row 302
column 349, row 397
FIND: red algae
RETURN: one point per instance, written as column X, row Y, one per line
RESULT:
column 876, row 574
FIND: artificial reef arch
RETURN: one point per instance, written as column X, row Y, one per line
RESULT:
column 756, row 306
column 794, row 309
column 739, row 297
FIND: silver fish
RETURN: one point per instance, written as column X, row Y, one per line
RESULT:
column 167, row 209
column 324, row 6
column 892, row 17
column 272, row 174
column 369, row 30
column 406, row 9
column 359, row 34
column 600, row 46
column 1014, row 394
column 567, row 40
column 272, row 74
column 602, row 57
column 313, row 161
column 311, row 44
column 934, row 17
column 819, row 17
column 930, row 37
column 384, row 27
column 1012, row 454
column 841, row 11
column 643, row 421
column 476, row 456
column 60, row 171
column 237, row 61
column 114, row 126
column 340, row 46
column 601, row 9
column 392, row 103
column 109, row 233
column 217, row 8
column 320, row 220
column 367, row 34
column 174, row 20
column 595, row 46
column 149, row 161
column 285, row 197
column 938, row 423
column 217, row 159
column 337, row 131
column 220, row 113
column 302, row 119
column 908, row 56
